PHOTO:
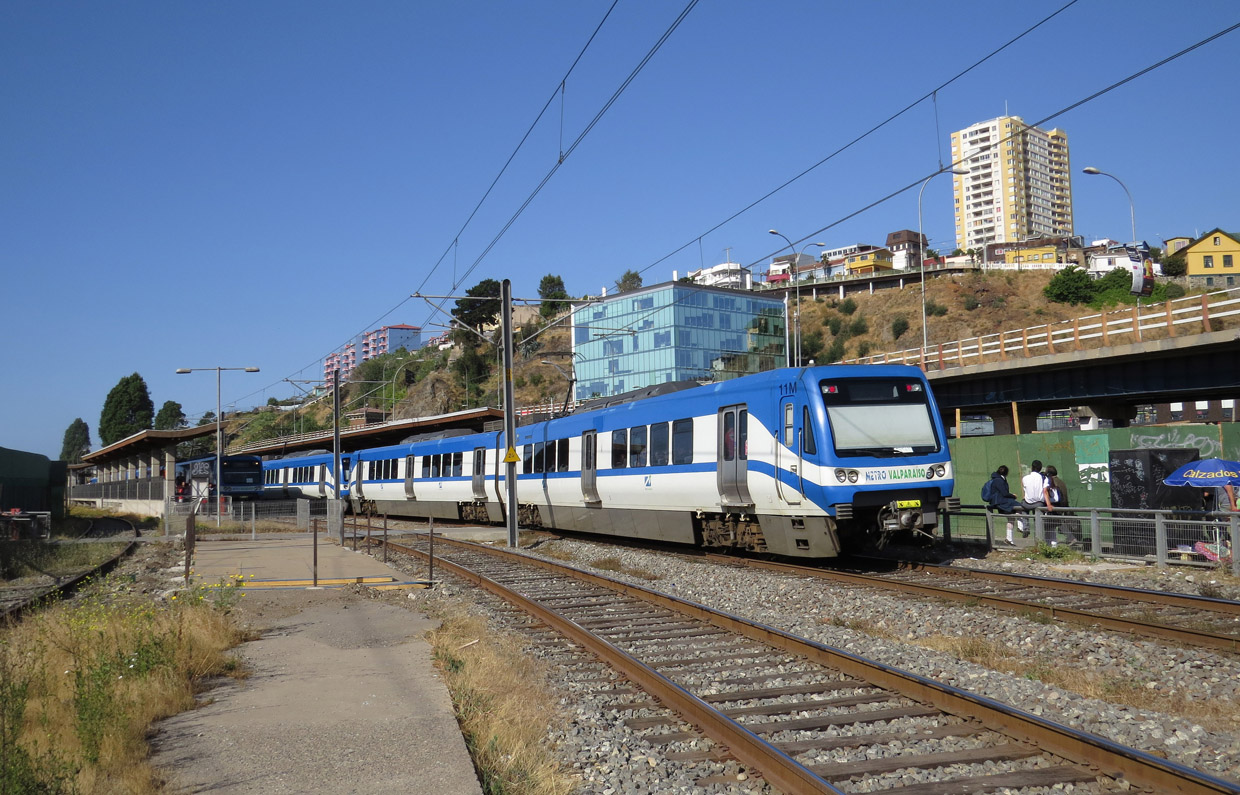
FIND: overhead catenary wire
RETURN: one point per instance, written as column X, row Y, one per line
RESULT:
column 883, row 199
column 454, row 245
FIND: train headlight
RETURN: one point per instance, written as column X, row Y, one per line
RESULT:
column 841, row 475
column 852, row 476
column 930, row 473
column 940, row 470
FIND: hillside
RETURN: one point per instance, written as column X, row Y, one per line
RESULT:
column 959, row 307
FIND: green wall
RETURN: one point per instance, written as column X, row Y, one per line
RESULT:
column 1080, row 456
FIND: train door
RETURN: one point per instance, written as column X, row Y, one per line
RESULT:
column 788, row 455
column 733, row 456
column 589, row 467
column 411, row 466
column 479, row 473
column 322, row 480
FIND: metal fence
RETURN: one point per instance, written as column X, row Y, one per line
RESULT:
column 1157, row 536
column 136, row 489
column 297, row 513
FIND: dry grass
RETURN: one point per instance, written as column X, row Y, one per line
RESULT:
column 1213, row 715
column 865, row 625
column 502, row 707
column 83, row 681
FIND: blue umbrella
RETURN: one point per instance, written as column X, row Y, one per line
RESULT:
column 1206, row 473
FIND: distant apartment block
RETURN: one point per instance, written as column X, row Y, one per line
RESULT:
column 1019, row 183
column 370, row 344
column 731, row 275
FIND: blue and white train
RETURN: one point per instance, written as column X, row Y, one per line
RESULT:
column 309, row 474
column 787, row 462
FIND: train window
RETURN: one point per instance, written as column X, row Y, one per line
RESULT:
column 588, row 450
column 561, row 457
column 810, row 447
column 658, row 444
column 682, row 442
column 789, row 425
column 619, row 449
column 426, row 466
column 729, row 436
column 436, row 460
column 743, row 434
column 456, row 464
column 527, row 459
column 538, row 457
column 637, row 446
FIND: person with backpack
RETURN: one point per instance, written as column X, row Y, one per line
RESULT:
column 1058, row 493
column 1037, row 492
column 998, row 497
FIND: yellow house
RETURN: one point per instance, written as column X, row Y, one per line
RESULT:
column 878, row 259
column 1175, row 244
column 1033, row 255
column 1213, row 260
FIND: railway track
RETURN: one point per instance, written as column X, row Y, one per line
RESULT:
column 1179, row 618
column 807, row 716
column 17, row 599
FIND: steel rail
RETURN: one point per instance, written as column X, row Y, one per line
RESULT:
column 1099, row 753
column 1196, row 637
column 777, row 767
column 14, row 611
column 1171, row 599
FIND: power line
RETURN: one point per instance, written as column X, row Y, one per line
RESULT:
column 865, row 135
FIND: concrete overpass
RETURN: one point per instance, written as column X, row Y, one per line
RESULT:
column 1102, row 365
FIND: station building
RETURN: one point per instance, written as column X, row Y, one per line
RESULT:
column 674, row 331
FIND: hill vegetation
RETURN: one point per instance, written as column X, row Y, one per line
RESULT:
column 467, row 375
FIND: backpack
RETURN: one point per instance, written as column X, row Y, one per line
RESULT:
column 988, row 495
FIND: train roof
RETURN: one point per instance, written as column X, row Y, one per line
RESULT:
column 637, row 394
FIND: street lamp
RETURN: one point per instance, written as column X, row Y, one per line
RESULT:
column 219, row 430
column 921, row 252
column 796, row 262
column 1132, row 212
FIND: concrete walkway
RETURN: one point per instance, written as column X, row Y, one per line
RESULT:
column 342, row 695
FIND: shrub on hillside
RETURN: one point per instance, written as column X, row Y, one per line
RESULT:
column 898, row 327
column 848, row 306
column 1070, row 286
column 858, row 327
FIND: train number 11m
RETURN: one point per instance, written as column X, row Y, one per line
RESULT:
column 788, row 389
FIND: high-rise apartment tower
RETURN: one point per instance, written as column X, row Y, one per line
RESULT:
column 1019, row 185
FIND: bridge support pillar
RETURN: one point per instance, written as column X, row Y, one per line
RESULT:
column 1017, row 419
column 1099, row 415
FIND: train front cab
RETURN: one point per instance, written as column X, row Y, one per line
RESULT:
column 886, row 469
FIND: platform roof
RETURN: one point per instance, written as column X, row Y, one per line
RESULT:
column 145, row 442
column 378, row 434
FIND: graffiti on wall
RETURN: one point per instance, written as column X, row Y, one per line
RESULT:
column 1208, row 446
column 1093, row 453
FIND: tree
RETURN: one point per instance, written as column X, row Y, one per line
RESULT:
column 481, row 307
column 552, row 287
column 1070, row 286
column 631, row 280
column 77, row 442
column 127, row 410
column 171, row 417
column 1175, row 264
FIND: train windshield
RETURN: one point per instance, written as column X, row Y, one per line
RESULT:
column 241, row 472
column 881, row 417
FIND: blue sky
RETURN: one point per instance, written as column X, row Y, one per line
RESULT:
column 252, row 184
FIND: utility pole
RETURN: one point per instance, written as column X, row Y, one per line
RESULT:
column 510, row 414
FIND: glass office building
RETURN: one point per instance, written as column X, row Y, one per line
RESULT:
column 674, row 332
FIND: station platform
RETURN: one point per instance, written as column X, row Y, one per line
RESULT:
column 342, row 695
